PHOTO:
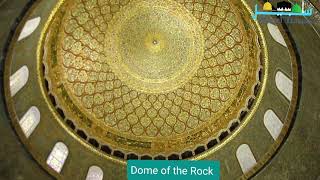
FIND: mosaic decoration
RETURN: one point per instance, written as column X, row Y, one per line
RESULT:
column 151, row 76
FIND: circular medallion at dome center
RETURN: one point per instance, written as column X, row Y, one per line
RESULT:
column 151, row 76
column 154, row 46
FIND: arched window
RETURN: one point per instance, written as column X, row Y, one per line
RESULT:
column 284, row 85
column 276, row 34
column 245, row 158
column 30, row 120
column 30, row 26
column 58, row 156
column 94, row 173
column 272, row 123
column 19, row 79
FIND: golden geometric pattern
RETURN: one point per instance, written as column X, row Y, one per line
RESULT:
column 93, row 82
column 203, row 44
column 150, row 57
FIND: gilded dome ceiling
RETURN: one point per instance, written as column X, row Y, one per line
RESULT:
column 154, row 76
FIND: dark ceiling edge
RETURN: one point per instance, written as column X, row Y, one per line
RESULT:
column 316, row 5
column 2, row 2
column 4, row 53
